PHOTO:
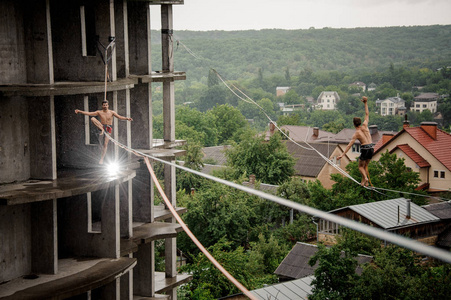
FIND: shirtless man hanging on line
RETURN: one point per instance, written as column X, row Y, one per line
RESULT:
column 106, row 119
column 362, row 133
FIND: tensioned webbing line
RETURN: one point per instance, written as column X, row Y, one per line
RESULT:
column 193, row 237
column 247, row 99
column 363, row 228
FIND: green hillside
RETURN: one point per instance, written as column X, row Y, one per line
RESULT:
column 240, row 54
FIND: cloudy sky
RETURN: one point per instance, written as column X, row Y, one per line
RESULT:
column 303, row 14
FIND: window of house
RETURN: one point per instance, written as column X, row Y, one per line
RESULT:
column 435, row 174
column 442, row 174
column 425, row 105
column 356, row 148
column 417, row 105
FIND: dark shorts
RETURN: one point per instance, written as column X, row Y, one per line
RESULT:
column 108, row 128
column 366, row 152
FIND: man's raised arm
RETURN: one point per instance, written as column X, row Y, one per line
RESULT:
column 367, row 111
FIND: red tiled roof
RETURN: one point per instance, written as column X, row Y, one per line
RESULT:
column 417, row 158
column 439, row 147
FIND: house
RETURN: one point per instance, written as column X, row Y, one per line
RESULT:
column 425, row 101
column 442, row 210
column 327, row 100
column 399, row 216
column 295, row 265
column 312, row 166
column 70, row 229
column 371, row 87
column 359, row 84
column 299, row 289
column 391, row 106
column 282, row 90
column 425, row 150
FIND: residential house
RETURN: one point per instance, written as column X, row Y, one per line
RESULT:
column 328, row 100
column 399, row 216
column 302, row 133
column 312, row 166
column 391, row 106
column 359, row 84
column 442, row 210
column 299, row 289
column 295, row 265
column 295, row 275
column 282, row 90
column 372, row 86
column 425, row 101
column 425, row 150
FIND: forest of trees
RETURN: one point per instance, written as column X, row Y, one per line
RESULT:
column 250, row 236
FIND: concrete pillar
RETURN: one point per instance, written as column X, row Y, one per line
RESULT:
column 126, row 210
column 168, row 67
column 127, row 284
column 144, row 272
column 44, row 237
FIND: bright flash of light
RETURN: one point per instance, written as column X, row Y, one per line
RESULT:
column 112, row 168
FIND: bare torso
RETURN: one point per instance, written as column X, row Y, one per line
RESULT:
column 106, row 117
column 362, row 133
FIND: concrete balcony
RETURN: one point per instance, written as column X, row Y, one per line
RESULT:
column 76, row 276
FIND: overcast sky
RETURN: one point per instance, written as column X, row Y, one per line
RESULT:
column 302, row 14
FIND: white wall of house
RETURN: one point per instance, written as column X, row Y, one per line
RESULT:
column 389, row 107
column 420, row 106
column 328, row 100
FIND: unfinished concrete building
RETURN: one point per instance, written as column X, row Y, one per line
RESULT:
column 68, row 228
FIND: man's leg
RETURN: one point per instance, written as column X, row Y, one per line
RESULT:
column 105, row 146
column 362, row 169
column 367, row 162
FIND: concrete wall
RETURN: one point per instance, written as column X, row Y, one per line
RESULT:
column 15, row 241
column 69, row 64
column 73, row 236
column 14, row 140
column 12, row 48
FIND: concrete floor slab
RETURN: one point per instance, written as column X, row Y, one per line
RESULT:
column 75, row 276
column 73, row 183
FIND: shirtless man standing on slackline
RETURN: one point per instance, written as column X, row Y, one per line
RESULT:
column 362, row 133
column 106, row 118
